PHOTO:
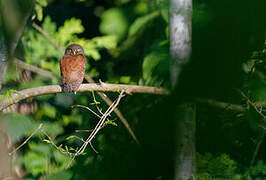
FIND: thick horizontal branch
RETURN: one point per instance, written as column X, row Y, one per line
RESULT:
column 101, row 87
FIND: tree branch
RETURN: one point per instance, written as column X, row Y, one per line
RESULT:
column 222, row 105
column 116, row 110
column 46, row 35
column 32, row 68
column 102, row 87
column 49, row 74
column 89, row 79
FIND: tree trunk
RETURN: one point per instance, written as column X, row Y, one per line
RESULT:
column 12, row 27
column 185, row 141
column 3, row 63
column 180, row 36
column 180, row 50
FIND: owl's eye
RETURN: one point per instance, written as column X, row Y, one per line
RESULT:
column 69, row 51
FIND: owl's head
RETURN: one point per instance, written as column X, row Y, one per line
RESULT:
column 74, row 49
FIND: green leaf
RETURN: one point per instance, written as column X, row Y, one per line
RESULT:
column 114, row 22
column 52, row 128
column 141, row 7
column 18, row 126
column 9, row 93
column 125, row 79
column 35, row 163
column 40, row 148
column 49, row 110
column 66, row 33
column 39, row 12
column 47, row 141
column 155, row 65
column 60, row 158
column 141, row 22
column 110, row 122
column 49, row 27
column 65, row 175
column 43, row 3
column 70, row 137
column 108, row 42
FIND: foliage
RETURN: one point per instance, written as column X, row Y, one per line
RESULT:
column 47, row 57
column 221, row 166
column 127, row 41
column 258, row 171
column 155, row 64
column 113, row 22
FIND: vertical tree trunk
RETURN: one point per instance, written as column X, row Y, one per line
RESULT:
column 180, row 36
column 3, row 62
column 185, row 141
column 12, row 27
column 185, row 113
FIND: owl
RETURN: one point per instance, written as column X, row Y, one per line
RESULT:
column 72, row 66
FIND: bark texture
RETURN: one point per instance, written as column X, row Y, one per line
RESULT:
column 180, row 50
column 185, row 141
column 101, row 87
column 180, row 35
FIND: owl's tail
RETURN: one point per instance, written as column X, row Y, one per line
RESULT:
column 70, row 87
column 67, row 88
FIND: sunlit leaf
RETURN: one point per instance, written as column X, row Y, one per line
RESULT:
column 141, row 22
column 66, row 32
column 114, row 22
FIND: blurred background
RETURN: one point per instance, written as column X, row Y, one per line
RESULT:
column 127, row 42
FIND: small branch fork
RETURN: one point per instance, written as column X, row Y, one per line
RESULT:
column 89, row 79
column 257, row 109
column 86, row 142
column 24, row 142
column 97, row 128
column 262, row 133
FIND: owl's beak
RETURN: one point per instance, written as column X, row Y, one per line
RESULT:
column 76, row 51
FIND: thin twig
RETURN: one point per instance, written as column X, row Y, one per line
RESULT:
column 262, row 134
column 55, row 44
column 32, row 134
column 89, row 130
column 90, row 80
column 98, row 126
column 93, row 148
column 259, row 141
column 59, row 149
column 222, row 105
column 79, row 138
column 95, row 102
column 85, row 107
column 253, row 105
column 116, row 110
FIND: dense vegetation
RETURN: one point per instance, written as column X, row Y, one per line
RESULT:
column 127, row 42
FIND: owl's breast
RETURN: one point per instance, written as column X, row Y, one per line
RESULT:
column 72, row 67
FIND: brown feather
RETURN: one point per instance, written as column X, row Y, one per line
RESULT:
column 72, row 72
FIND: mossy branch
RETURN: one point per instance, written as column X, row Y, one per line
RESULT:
column 101, row 87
